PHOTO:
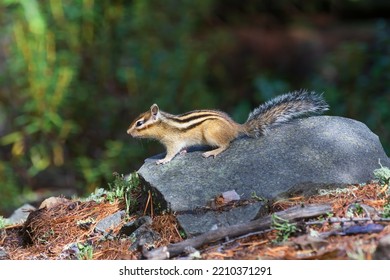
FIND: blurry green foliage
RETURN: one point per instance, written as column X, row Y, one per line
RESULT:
column 356, row 81
column 73, row 75
column 76, row 74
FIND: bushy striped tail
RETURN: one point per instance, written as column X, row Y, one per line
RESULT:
column 283, row 109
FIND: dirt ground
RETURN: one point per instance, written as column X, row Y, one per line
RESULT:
column 67, row 231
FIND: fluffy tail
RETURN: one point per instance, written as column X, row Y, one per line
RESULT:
column 283, row 109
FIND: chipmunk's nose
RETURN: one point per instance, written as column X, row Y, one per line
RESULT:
column 132, row 132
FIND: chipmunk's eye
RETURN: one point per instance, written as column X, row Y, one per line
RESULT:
column 139, row 123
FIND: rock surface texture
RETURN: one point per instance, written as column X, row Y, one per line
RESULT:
column 20, row 215
column 296, row 158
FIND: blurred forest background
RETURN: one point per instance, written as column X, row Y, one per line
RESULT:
column 74, row 74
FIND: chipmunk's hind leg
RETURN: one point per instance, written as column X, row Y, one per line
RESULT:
column 218, row 136
column 215, row 152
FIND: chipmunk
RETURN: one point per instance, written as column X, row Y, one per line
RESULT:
column 217, row 129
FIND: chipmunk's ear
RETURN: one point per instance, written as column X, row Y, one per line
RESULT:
column 155, row 111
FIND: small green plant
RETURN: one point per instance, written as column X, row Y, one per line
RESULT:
column 182, row 234
column 284, row 227
column 325, row 217
column 386, row 210
column 85, row 251
column 97, row 196
column 3, row 222
column 122, row 187
column 258, row 198
column 46, row 236
column 329, row 215
column 355, row 210
column 382, row 174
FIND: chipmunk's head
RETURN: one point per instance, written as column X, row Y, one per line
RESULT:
column 144, row 126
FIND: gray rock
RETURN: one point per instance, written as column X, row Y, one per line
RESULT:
column 110, row 222
column 297, row 158
column 143, row 236
column 20, row 215
column 210, row 220
column 70, row 252
column 3, row 254
column 140, row 232
column 130, row 227
column 382, row 251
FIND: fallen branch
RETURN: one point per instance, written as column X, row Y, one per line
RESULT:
column 348, row 220
column 293, row 213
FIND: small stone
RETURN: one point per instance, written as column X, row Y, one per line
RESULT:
column 309, row 242
column 143, row 236
column 70, row 252
column 230, row 196
column 53, row 201
column 140, row 232
column 130, row 227
column 110, row 222
column 3, row 254
column 20, row 215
